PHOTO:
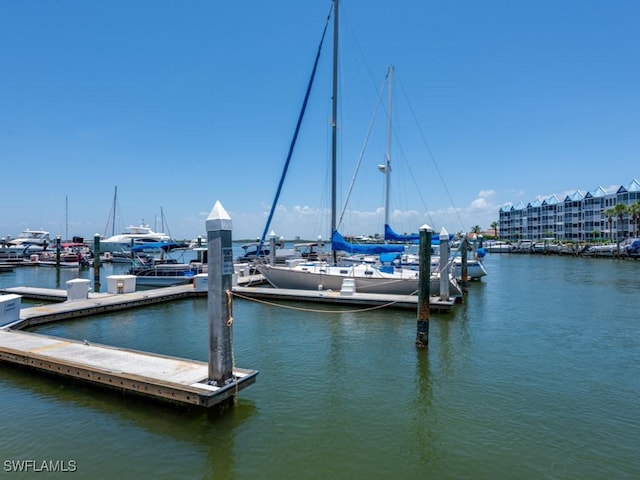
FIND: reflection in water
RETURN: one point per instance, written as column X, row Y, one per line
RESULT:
column 534, row 377
column 205, row 437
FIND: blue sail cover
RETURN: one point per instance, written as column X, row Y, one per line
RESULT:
column 157, row 245
column 392, row 236
column 339, row 243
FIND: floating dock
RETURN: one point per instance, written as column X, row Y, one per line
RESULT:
column 95, row 303
column 338, row 298
column 170, row 379
column 161, row 377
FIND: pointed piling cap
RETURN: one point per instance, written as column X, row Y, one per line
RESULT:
column 218, row 219
column 426, row 227
column 444, row 235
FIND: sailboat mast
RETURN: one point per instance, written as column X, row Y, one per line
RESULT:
column 334, row 122
column 387, row 169
column 66, row 217
column 115, row 200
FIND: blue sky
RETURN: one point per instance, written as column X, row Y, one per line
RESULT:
column 182, row 104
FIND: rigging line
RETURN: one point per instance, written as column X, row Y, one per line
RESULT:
column 364, row 147
column 424, row 139
column 415, row 182
column 377, row 307
column 295, row 134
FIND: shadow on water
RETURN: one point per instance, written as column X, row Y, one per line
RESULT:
column 209, row 431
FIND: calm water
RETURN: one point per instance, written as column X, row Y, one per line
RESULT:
column 535, row 377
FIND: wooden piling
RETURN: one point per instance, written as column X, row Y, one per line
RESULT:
column 424, row 272
column 58, row 246
column 464, row 274
column 96, row 262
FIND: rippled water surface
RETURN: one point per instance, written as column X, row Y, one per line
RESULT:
column 535, row 376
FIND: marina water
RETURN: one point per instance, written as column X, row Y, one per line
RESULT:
column 535, row 376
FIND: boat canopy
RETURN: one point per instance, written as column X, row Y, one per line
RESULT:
column 166, row 246
column 339, row 243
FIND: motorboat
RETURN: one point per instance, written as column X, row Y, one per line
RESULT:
column 255, row 252
column 27, row 242
column 475, row 267
column 498, row 246
column 133, row 235
column 35, row 238
column 164, row 273
column 605, row 250
column 62, row 260
column 632, row 247
column 153, row 266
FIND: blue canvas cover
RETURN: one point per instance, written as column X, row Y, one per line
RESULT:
column 339, row 243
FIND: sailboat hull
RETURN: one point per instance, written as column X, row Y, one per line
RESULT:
column 367, row 279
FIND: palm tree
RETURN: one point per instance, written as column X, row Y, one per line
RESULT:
column 476, row 229
column 634, row 212
column 494, row 226
column 620, row 211
column 610, row 213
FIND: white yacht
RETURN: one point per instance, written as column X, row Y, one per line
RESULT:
column 133, row 235
column 27, row 241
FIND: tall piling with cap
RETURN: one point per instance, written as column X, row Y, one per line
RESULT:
column 424, row 281
column 96, row 262
column 445, row 264
column 58, row 248
column 272, row 248
column 220, row 276
column 464, row 271
column 199, row 251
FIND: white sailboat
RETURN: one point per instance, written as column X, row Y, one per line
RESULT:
column 363, row 277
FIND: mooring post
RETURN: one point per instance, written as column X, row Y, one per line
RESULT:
column 474, row 246
column 199, row 252
column 445, row 264
column 464, row 274
column 96, row 262
column 272, row 248
column 424, row 275
column 220, row 273
column 58, row 251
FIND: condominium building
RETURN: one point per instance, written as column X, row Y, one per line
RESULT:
column 576, row 217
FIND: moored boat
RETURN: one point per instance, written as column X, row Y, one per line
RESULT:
column 162, row 270
column 498, row 246
column 367, row 278
column 133, row 235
